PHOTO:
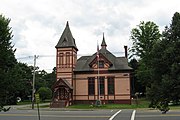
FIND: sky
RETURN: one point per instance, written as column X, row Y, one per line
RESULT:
column 38, row 24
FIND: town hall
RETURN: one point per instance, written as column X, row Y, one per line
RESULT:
column 100, row 76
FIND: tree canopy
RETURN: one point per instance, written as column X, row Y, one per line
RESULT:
column 166, row 64
column 144, row 38
column 159, row 61
column 7, row 61
column 16, row 77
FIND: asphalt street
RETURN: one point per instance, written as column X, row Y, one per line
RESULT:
column 123, row 114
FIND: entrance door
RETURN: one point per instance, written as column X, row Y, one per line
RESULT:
column 63, row 94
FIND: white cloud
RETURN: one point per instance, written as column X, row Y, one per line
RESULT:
column 38, row 25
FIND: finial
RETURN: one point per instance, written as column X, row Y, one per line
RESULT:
column 103, row 36
column 67, row 24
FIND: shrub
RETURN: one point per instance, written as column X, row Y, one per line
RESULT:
column 44, row 93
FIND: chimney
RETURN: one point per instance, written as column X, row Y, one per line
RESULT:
column 125, row 50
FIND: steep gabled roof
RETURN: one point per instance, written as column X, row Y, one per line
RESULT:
column 118, row 63
column 85, row 63
column 62, row 82
column 66, row 40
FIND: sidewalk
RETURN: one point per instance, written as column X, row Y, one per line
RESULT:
column 27, row 106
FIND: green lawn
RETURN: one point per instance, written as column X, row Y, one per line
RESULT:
column 25, row 102
column 143, row 103
column 175, row 107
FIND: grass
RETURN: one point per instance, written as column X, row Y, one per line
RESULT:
column 142, row 103
column 106, row 106
column 174, row 107
column 25, row 102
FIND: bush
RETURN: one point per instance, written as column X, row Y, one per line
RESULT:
column 44, row 93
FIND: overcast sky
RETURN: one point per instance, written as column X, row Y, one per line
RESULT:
column 38, row 24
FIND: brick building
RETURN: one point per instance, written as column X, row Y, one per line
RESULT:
column 82, row 81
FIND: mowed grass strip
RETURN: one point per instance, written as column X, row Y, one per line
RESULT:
column 143, row 103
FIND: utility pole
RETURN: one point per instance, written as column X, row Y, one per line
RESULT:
column 33, row 83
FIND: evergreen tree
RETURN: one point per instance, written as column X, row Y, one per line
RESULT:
column 7, row 61
column 166, row 67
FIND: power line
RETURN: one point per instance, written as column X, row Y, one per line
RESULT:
column 26, row 57
column 86, row 54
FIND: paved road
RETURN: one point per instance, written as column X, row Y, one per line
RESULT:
column 89, row 115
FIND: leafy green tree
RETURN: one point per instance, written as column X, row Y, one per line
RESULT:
column 40, row 81
column 50, row 78
column 136, row 85
column 144, row 37
column 44, row 93
column 44, row 79
column 23, row 76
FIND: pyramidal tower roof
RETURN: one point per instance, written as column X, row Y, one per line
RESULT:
column 66, row 40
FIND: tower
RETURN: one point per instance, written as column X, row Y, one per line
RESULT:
column 66, row 55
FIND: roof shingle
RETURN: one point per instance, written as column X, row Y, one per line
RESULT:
column 118, row 63
column 66, row 39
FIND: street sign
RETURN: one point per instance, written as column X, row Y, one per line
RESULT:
column 37, row 101
column 37, row 98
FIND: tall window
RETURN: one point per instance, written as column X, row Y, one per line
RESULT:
column 67, row 59
column 110, row 85
column 61, row 59
column 101, row 81
column 91, row 85
column 101, row 64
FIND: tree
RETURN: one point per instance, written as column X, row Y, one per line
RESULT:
column 40, row 81
column 15, row 77
column 7, row 62
column 44, row 79
column 166, row 57
column 50, row 78
column 44, row 93
column 23, row 75
column 144, row 38
column 137, row 86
